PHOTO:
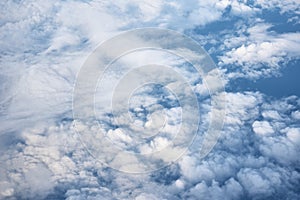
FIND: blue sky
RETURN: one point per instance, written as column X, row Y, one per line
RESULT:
column 280, row 86
column 255, row 45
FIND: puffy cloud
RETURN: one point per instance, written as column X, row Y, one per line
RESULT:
column 296, row 114
column 286, row 6
column 6, row 189
column 262, row 128
column 261, row 52
column 293, row 134
column 271, row 114
column 242, row 164
column 254, row 183
column 145, row 196
column 43, row 45
column 259, row 167
column 230, row 190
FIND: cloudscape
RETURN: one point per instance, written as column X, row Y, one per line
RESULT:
column 150, row 100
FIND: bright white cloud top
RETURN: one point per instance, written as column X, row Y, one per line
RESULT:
column 43, row 45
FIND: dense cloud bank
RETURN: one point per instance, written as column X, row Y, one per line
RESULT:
column 256, row 158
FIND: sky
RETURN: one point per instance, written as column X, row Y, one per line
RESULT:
column 149, row 99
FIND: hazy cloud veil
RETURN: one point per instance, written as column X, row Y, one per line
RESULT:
column 44, row 46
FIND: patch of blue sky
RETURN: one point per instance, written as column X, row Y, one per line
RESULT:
column 286, row 84
column 281, row 23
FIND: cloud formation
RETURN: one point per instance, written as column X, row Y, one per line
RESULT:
column 244, row 164
column 44, row 43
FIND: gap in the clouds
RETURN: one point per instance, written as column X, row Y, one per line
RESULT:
column 10, row 139
column 216, row 29
column 227, row 23
column 280, row 22
column 58, row 193
column 287, row 84
column 166, row 175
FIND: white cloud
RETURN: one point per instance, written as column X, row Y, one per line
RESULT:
column 284, row 6
column 232, row 158
column 254, row 182
column 233, row 169
column 271, row 114
column 180, row 184
column 293, row 134
column 145, row 196
column 193, row 172
column 296, row 114
column 230, row 190
column 261, row 52
column 43, row 44
column 6, row 190
column 262, row 128
column 281, row 149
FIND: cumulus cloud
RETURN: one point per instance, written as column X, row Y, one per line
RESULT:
column 261, row 53
column 43, row 45
column 237, row 159
column 262, row 127
column 287, row 6
column 243, row 163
